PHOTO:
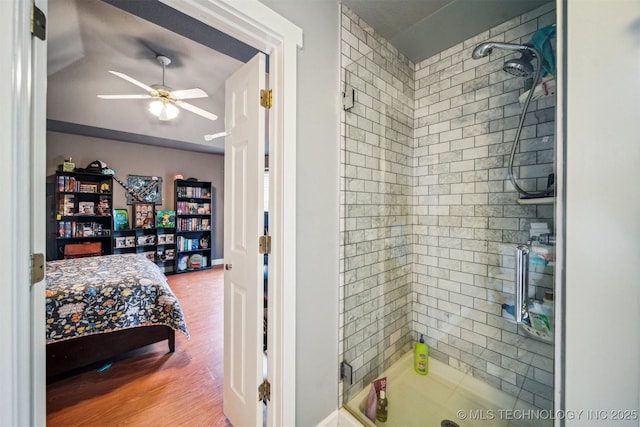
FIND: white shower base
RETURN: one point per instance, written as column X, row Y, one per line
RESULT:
column 444, row 394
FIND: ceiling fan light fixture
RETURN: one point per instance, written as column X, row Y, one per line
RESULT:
column 163, row 109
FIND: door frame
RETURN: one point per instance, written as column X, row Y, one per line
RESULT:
column 23, row 132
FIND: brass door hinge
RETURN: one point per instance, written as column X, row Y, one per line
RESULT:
column 37, row 268
column 38, row 23
column 264, row 391
column 264, row 245
column 266, row 98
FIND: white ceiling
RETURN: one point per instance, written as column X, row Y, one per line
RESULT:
column 86, row 38
column 421, row 28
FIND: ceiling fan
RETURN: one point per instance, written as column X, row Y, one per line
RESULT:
column 165, row 100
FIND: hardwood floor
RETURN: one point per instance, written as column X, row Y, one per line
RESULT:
column 149, row 387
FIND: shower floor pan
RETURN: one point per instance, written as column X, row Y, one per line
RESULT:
column 446, row 397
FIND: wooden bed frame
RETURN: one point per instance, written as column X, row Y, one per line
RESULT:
column 83, row 351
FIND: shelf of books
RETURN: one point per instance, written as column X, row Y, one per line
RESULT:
column 194, row 219
column 81, row 211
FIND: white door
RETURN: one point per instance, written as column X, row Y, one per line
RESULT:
column 243, row 219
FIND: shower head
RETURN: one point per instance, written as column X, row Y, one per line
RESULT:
column 486, row 48
column 520, row 67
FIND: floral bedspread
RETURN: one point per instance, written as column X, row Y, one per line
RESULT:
column 102, row 294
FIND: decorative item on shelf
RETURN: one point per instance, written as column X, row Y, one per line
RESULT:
column 195, row 262
column 121, row 219
column 105, row 187
column 68, row 166
column 204, row 241
column 86, row 208
column 143, row 214
column 166, row 219
column 96, row 166
column 182, row 262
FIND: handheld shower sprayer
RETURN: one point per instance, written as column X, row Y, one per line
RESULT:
column 519, row 67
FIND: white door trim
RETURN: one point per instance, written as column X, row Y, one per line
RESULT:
column 255, row 24
column 22, row 364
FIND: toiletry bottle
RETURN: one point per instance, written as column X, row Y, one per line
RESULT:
column 547, row 307
column 381, row 406
column 421, row 357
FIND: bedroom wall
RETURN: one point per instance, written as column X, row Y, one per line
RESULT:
column 138, row 159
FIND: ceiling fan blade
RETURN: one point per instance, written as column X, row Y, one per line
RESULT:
column 149, row 89
column 189, row 93
column 196, row 110
column 214, row 136
column 124, row 96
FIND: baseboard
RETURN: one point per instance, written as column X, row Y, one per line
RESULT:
column 218, row 261
column 340, row 418
column 331, row 420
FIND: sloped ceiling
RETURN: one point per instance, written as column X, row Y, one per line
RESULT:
column 87, row 38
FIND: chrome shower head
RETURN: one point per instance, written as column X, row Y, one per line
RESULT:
column 486, row 48
column 520, row 67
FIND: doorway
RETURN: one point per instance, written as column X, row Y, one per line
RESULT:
column 281, row 38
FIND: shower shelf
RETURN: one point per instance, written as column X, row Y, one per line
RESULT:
column 545, row 88
column 537, row 201
column 536, row 335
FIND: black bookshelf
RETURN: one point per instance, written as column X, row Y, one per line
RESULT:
column 80, row 211
column 194, row 205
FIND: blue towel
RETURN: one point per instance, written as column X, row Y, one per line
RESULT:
column 541, row 40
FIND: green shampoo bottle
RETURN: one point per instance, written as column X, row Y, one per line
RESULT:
column 421, row 357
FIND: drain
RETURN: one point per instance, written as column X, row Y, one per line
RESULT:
column 448, row 423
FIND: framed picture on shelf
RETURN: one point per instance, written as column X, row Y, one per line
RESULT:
column 143, row 215
column 166, row 219
column 121, row 219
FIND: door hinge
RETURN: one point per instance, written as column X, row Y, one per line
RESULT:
column 348, row 97
column 264, row 245
column 37, row 268
column 38, row 23
column 264, row 391
column 266, row 98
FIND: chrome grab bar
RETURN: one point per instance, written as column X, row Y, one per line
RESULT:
column 522, row 282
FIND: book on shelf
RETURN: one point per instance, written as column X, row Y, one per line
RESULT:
column 104, row 206
column 87, row 187
column 121, row 219
column 66, row 205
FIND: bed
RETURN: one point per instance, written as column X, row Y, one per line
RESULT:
column 100, row 307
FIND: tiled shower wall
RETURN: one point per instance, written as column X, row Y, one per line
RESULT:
column 467, row 219
column 377, row 203
column 429, row 219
